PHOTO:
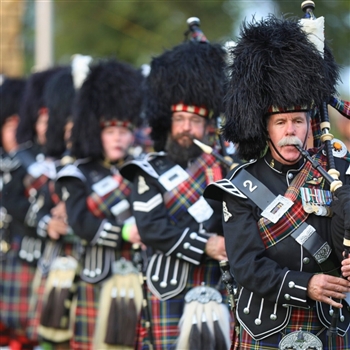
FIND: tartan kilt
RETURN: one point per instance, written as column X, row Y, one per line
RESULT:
column 37, row 298
column 305, row 319
column 16, row 278
column 166, row 314
column 85, row 316
column 88, row 297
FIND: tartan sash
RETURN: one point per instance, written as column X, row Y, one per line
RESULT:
column 34, row 183
column 203, row 171
column 100, row 206
column 272, row 233
column 341, row 106
column 54, row 196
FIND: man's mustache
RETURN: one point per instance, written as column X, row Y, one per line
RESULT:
column 290, row 141
column 182, row 134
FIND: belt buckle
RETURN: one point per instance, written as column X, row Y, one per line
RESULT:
column 300, row 340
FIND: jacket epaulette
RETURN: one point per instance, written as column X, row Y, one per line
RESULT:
column 226, row 185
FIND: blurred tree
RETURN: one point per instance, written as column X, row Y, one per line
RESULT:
column 136, row 30
column 132, row 31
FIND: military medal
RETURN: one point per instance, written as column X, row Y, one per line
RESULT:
column 308, row 208
column 316, row 201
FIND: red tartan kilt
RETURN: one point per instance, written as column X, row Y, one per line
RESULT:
column 36, row 306
column 85, row 316
column 15, row 289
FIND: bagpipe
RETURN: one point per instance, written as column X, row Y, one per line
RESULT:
column 331, row 146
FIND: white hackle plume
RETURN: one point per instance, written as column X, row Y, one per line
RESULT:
column 80, row 69
column 315, row 31
column 145, row 70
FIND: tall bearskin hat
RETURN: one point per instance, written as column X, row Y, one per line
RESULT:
column 11, row 94
column 110, row 95
column 33, row 101
column 58, row 98
column 191, row 74
column 275, row 68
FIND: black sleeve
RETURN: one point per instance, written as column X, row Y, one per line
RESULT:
column 13, row 196
column 155, row 227
column 83, row 223
column 250, row 265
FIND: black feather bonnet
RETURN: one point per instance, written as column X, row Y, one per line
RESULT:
column 111, row 92
column 275, row 65
column 191, row 74
column 33, row 101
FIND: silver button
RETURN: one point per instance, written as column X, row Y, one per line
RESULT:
column 179, row 255
column 287, row 296
column 193, row 235
column 187, row 245
column 163, row 284
column 32, row 192
column 103, row 234
column 306, row 260
column 107, row 226
column 342, row 318
column 257, row 321
column 290, row 176
column 173, row 282
column 246, row 310
column 155, row 278
column 273, row 317
column 291, row 284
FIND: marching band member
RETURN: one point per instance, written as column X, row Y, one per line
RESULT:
column 20, row 200
column 276, row 207
column 184, row 93
column 97, row 199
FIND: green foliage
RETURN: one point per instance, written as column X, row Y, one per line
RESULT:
column 135, row 31
column 132, row 31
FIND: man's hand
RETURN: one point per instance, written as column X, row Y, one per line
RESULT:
column 215, row 248
column 345, row 270
column 59, row 211
column 322, row 287
column 56, row 227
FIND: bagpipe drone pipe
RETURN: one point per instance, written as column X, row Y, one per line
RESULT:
column 331, row 146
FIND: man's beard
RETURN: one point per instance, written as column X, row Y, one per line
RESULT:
column 181, row 154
